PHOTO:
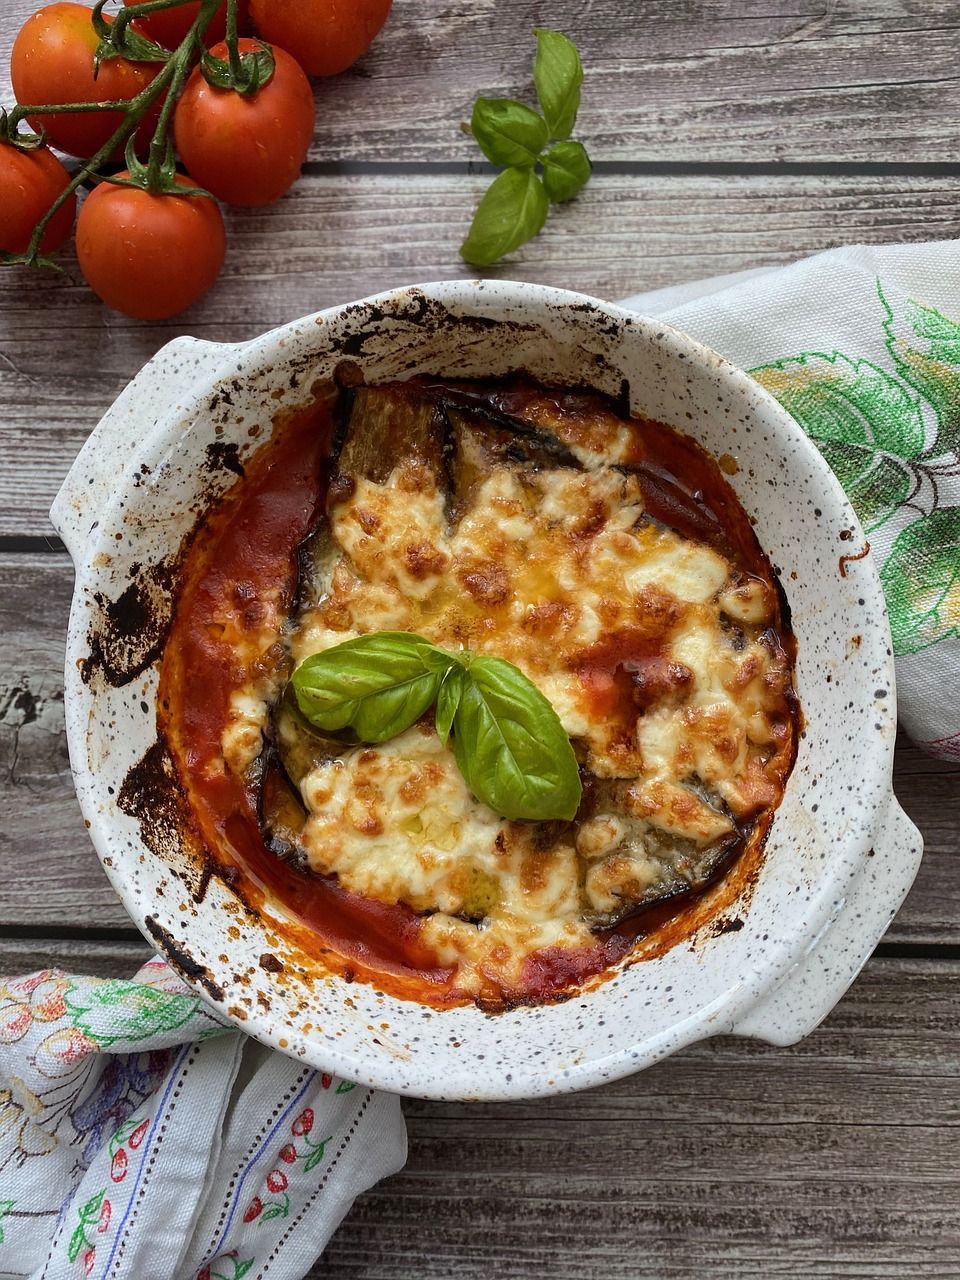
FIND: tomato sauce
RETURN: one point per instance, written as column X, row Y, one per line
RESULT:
column 243, row 564
column 246, row 549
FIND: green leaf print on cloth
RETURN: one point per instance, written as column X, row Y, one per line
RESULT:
column 872, row 425
column 925, row 347
column 112, row 1011
column 921, row 579
column 863, row 420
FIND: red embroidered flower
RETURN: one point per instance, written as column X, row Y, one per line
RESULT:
column 89, row 1258
column 105, row 1211
column 288, row 1154
column 203, row 1273
column 303, row 1123
column 118, row 1166
column 276, row 1181
column 326, row 1079
column 254, row 1210
column 139, row 1133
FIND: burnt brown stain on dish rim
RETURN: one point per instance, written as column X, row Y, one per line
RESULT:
column 128, row 635
column 420, row 311
column 726, row 924
column 181, row 959
column 152, row 795
column 847, row 559
column 224, row 455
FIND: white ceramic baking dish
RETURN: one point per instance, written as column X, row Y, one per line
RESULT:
column 841, row 854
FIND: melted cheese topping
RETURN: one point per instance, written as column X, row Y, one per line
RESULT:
column 396, row 822
column 648, row 645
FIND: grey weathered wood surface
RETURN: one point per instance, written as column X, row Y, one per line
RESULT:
column 728, row 135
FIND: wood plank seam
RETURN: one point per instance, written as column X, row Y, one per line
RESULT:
column 30, row 544
column 651, row 168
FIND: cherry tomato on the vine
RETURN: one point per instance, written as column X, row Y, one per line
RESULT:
column 30, row 181
column 146, row 255
column 169, row 26
column 246, row 149
column 52, row 62
column 325, row 36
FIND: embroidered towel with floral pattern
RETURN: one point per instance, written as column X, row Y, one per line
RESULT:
column 142, row 1140
column 862, row 346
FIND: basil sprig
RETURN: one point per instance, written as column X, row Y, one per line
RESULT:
column 507, row 739
column 558, row 75
column 515, row 206
column 377, row 685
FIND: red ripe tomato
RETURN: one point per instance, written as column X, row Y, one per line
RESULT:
column 247, row 149
column 325, row 36
column 52, row 61
column 30, row 181
column 170, row 25
column 146, row 255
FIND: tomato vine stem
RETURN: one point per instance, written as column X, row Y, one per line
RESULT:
column 182, row 61
column 233, row 45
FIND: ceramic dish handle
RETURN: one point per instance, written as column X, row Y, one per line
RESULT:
column 94, row 476
column 811, row 990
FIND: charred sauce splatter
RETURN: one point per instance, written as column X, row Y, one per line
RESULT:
column 241, row 571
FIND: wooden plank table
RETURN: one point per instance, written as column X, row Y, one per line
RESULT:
column 726, row 136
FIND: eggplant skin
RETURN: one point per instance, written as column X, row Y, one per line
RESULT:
column 282, row 813
column 299, row 747
column 293, row 749
column 477, row 445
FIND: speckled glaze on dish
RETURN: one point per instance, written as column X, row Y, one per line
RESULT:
column 841, row 854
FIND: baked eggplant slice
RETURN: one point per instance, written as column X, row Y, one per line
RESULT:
column 383, row 427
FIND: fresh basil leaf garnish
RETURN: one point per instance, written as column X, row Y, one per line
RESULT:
column 377, row 685
column 566, row 168
column 448, row 700
column 508, row 132
column 507, row 739
column 511, row 747
column 513, row 209
column 558, row 75
column 435, row 659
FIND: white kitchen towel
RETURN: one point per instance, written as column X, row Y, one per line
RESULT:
column 862, row 346
column 142, row 1140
